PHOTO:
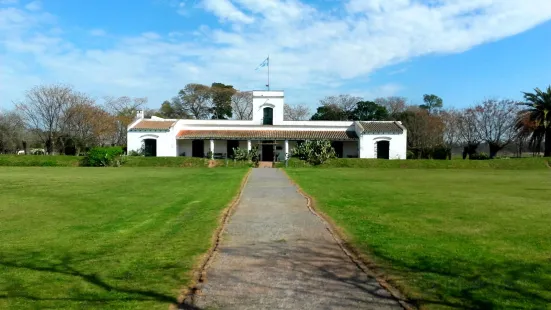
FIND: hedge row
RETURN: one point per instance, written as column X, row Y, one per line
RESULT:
column 137, row 161
column 39, row 161
column 504, row 164
column 130, row 161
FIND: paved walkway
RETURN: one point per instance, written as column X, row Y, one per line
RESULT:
column 276, row 254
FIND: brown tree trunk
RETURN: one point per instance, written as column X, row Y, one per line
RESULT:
column 494, row 148
column 547, row 150
column 50, row 145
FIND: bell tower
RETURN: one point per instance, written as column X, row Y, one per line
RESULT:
column 268, row 107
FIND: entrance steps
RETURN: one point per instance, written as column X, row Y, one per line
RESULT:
column 265, row 164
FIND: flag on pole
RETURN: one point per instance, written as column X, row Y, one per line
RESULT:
column 265, row 63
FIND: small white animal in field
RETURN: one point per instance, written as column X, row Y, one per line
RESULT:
column 20, row 152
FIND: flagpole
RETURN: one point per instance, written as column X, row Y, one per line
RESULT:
column 268, row 72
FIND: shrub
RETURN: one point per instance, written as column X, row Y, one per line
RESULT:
column 104, row 157
column 315, row 152
column 140, row 152
column 479, row 156
column 240, row 154
column 440, row 152
column 37, row 152
column 410, row 155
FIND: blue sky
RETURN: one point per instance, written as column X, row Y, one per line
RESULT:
column 460, row 50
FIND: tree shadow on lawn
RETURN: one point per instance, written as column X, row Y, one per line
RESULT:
column 465, row 284
column 64, row 267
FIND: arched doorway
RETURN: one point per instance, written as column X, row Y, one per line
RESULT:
column 268, row 116
column 383, row 149
column 150, row 147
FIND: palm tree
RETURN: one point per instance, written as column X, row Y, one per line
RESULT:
column 535, row 120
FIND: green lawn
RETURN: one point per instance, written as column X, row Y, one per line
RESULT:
column 463, row 239
column 105, row 238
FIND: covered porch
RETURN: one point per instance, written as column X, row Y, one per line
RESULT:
column 272, row 145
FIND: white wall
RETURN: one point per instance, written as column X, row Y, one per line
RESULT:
column 220, row 146
column 184, row 146
column 350, row 148
column 166, row 142
column 243, row 144
column 398, row 145
column 271, row 99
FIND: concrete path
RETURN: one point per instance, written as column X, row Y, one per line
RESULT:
column 276, row 254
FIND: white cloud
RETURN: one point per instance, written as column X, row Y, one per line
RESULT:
column 97, row 32
column 312, row 51
column 181, row 8
column 34, row 6
column 226, row 10
column 8, row 2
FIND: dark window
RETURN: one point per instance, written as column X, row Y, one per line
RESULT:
column 150, row 147
column 338, row 147
column 268, row 116
column 198, row 148
column 231, row 145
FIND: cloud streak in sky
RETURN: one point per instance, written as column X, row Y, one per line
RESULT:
column 310, row 48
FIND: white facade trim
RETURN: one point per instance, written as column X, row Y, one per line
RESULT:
column 168, row 143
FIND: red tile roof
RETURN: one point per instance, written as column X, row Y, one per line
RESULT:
column 381, row 127
column 147, row 124
column 268, row 134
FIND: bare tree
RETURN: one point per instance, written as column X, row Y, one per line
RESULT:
column 394, row 104
column 425, row 131
column 468, row 132
column 242, row 105
column 124, row 110
column 450, row 119
column 89, row 124
column 495, row 123
column 12, row 132
column 297, row 112
column 344, row 103
column 44, row 110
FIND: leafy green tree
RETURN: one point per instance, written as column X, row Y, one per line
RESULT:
column 315, row 152
column 329, row 113
column 196, row 100
column 535, row 119
column 221, row 95
column 172, row 109
column 336, row 108
column 369, row 111
column 432, row 102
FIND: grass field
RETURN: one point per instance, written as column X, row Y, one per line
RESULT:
column 462, row 239
column 105, row 238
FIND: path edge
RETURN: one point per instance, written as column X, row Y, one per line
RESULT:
column 186, row 299
column 361, row 260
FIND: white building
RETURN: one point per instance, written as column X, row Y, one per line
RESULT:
column 273, row 136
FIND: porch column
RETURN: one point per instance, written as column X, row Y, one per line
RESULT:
column 286, row 149
column 249, row 146
column 211, row 148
